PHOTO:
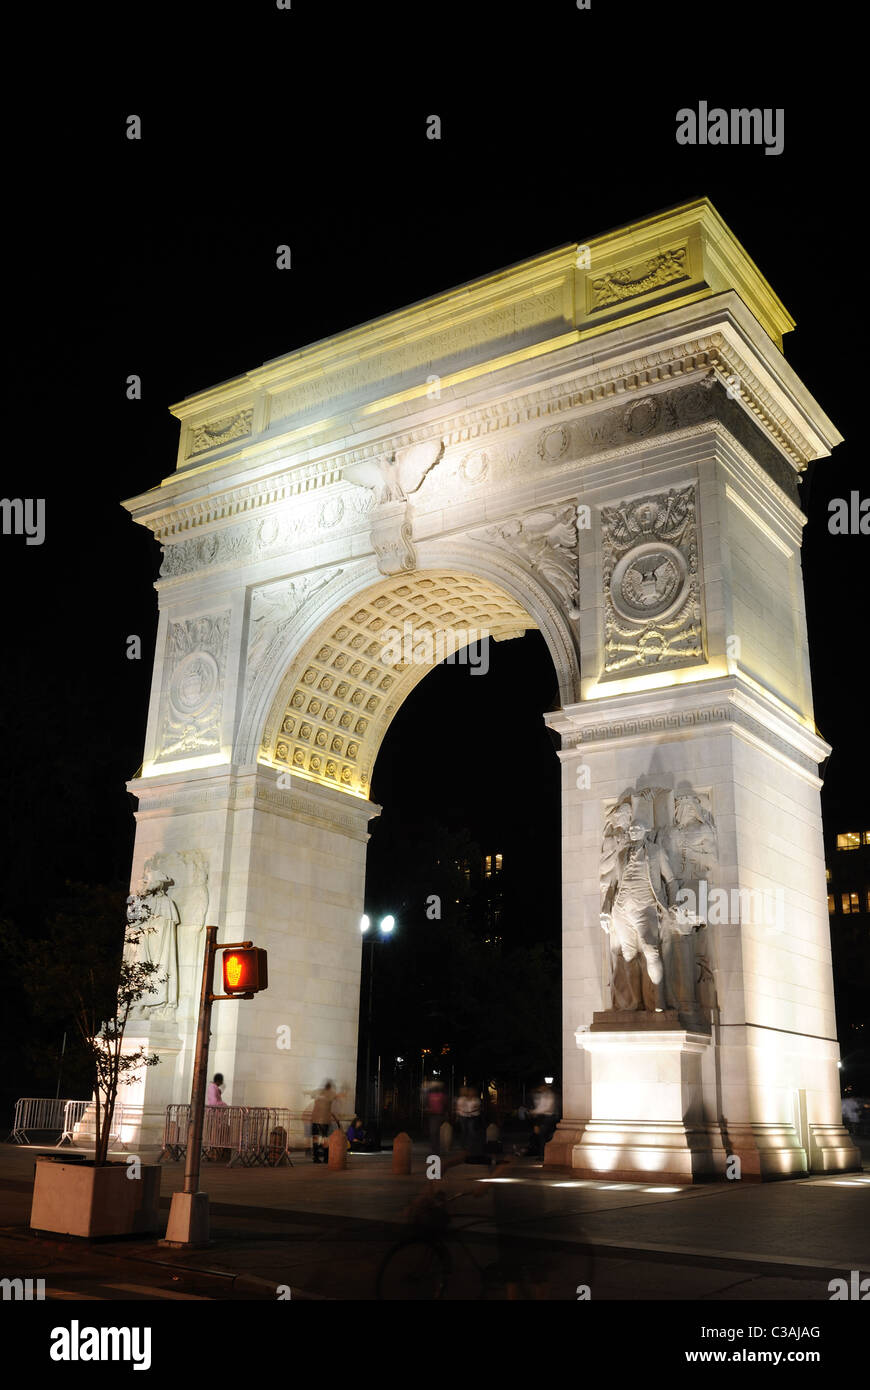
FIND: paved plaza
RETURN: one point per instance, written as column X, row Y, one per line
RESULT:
column 322, row 1234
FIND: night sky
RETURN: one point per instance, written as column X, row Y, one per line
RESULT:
column 308, row 128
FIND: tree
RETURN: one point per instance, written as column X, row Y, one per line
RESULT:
column 87, row 969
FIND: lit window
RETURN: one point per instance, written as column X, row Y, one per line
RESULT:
column 487, row 866
column 831, row 905
column 867, row 837
column 498, row 862
column 827, row 875
column 850, row 902
column 851, row 840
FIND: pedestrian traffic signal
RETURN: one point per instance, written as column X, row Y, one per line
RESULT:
column 245, row 970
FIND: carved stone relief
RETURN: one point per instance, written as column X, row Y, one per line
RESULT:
column 173, row 899
column 665, row 268
column 547, row 542
column 657, row 847
column 254, row 540
column 214, row 433
column 651, row 586
column 391, row 480
column 392, row 538
column 273, row 608
column 193, row 686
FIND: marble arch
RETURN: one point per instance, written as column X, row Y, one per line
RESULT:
column 603, row 442
column 504, row 601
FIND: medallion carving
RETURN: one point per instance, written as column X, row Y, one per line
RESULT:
column 651, row 584
column 196, row 661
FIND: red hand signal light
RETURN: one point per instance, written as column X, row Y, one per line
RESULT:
column 244, row 970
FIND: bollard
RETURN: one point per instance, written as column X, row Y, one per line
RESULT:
column 337, row 1146
column 402, row 1153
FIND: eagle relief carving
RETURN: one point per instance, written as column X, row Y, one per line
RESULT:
column 392, row 480
column 651, row 582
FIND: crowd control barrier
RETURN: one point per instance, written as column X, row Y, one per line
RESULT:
column 249, row 1135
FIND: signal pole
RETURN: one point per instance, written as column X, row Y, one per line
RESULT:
column 188, row 1225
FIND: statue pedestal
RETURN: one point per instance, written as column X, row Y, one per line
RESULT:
column 647, row 1113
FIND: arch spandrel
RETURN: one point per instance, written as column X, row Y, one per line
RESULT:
column 338, row 684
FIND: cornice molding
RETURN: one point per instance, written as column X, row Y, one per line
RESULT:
column 690, row 358
column 252, row 789
column 687, row 710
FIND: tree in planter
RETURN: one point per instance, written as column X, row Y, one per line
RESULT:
column 112, row 1067
column 90, row 973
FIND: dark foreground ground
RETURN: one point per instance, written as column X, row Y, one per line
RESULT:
column 323, row 1235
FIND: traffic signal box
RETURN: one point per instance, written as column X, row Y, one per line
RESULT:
column 244, row 970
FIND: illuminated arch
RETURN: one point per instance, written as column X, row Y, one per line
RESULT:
column 322, row 709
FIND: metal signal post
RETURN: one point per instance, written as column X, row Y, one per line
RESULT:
column 188, row 1216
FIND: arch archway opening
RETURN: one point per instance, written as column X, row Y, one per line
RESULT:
column 352, row 674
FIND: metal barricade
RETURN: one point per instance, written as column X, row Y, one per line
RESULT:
column 253, row 1140
column 175, row 1125
column 223, row 1131
column 278, row 1150
column 250, row 1135
column 34, row 1113
column 72, row 1114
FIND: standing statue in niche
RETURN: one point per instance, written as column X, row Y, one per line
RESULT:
column 655, row 844
column 156, row 910
column 639, row 887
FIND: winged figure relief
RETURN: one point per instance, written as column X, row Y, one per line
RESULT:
column 394, row 479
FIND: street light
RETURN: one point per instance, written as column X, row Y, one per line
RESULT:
column 385, row 928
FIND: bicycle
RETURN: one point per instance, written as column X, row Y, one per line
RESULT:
column 419, row 1267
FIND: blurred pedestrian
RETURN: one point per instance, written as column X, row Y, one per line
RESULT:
column 322, row 1120
column 468, row 1109
column 436, row 1114
column 215, row 1090
column 544, row 1117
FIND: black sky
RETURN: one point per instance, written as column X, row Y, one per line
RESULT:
column 307, row 128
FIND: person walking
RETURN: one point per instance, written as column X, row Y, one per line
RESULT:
column 543, row 1116
column 436, row 1114
column 214, row 1095
column 322, row 1120
column 468, row 1115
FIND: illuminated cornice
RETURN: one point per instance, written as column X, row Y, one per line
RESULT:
column 568, row 299
column 715, row 341
column 688, row 710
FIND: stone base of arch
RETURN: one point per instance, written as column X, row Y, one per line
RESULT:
column 286, row 869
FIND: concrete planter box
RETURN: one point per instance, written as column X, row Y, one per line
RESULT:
column 78, row 1199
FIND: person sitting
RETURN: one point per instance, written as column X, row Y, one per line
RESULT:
column 356, row 1135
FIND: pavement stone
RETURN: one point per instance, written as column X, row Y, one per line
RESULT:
column 324, row 1233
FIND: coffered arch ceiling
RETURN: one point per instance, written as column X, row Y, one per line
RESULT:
column 351, row 675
